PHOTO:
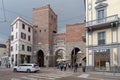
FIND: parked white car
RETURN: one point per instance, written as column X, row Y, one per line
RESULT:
column 28, row 67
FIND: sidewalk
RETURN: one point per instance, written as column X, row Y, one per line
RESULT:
column 4, row 67
column 104, row 73
column 79, row 71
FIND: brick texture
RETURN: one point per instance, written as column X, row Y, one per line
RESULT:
column 74, row 32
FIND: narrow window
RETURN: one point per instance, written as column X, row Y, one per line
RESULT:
column 23, row 35
column 27, row 48
column 29, row 38
column 101, row 38
column 30, row 49
column 23, row 26
column 29, row 29
column 23, row 47
column 11, row 48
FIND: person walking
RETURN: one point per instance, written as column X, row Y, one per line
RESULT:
column 61, row 66
column 75, row 67
column 65, row 65
column 83, row 66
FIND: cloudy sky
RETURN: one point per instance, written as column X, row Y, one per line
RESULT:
column 68, row 11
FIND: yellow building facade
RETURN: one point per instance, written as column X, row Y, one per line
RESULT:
column 102, row 35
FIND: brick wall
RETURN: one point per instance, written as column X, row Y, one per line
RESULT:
column 74, row 32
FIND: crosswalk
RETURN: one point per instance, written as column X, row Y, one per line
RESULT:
column 44, row 76
column 84, row 76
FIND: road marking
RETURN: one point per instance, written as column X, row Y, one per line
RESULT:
column 83, row 75
column 28, row 78
column 44, row 76
column 15, row 79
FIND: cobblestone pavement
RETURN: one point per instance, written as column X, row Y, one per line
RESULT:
column 55, row 74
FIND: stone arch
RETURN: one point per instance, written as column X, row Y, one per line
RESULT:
column 40, row 58
column 59, row 49
column 74, row 53
column 59, row 55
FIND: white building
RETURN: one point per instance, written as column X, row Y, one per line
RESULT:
column 22, row 41
column 102, row 35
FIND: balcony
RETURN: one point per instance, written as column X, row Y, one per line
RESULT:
column 103, row 22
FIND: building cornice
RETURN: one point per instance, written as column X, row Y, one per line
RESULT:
column 21, row 19
column 101, row 5
column 113, row 44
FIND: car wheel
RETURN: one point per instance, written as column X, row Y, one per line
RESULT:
column 15, row 70
column 28, row 71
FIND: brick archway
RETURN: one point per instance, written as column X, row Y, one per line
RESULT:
column 74, row 55
column 40, row 58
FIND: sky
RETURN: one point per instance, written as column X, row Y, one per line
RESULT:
column 68, row 11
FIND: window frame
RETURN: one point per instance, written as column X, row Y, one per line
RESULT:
column 101, row 38
column 29, row 29
column 11, row 48
column 29, row 38
column 23, row 47
column 104, row 13
column 23, row 35
column 23, row 26
column 29, row 48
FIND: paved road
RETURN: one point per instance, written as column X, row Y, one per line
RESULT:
column 44, row 74
column 53, row 74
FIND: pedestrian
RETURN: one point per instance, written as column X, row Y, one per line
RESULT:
column 75, row 67
column 61, row 66
column 69, row 65
column 83, row 66
column 9, row 65
column 65, row 65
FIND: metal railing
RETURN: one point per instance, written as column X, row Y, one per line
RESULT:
column 102, row 20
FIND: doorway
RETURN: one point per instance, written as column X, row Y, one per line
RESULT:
column 40, row 58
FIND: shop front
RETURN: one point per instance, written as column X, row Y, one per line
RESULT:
column 102, row 59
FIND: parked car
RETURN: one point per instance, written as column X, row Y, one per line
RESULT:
column 28, row 67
